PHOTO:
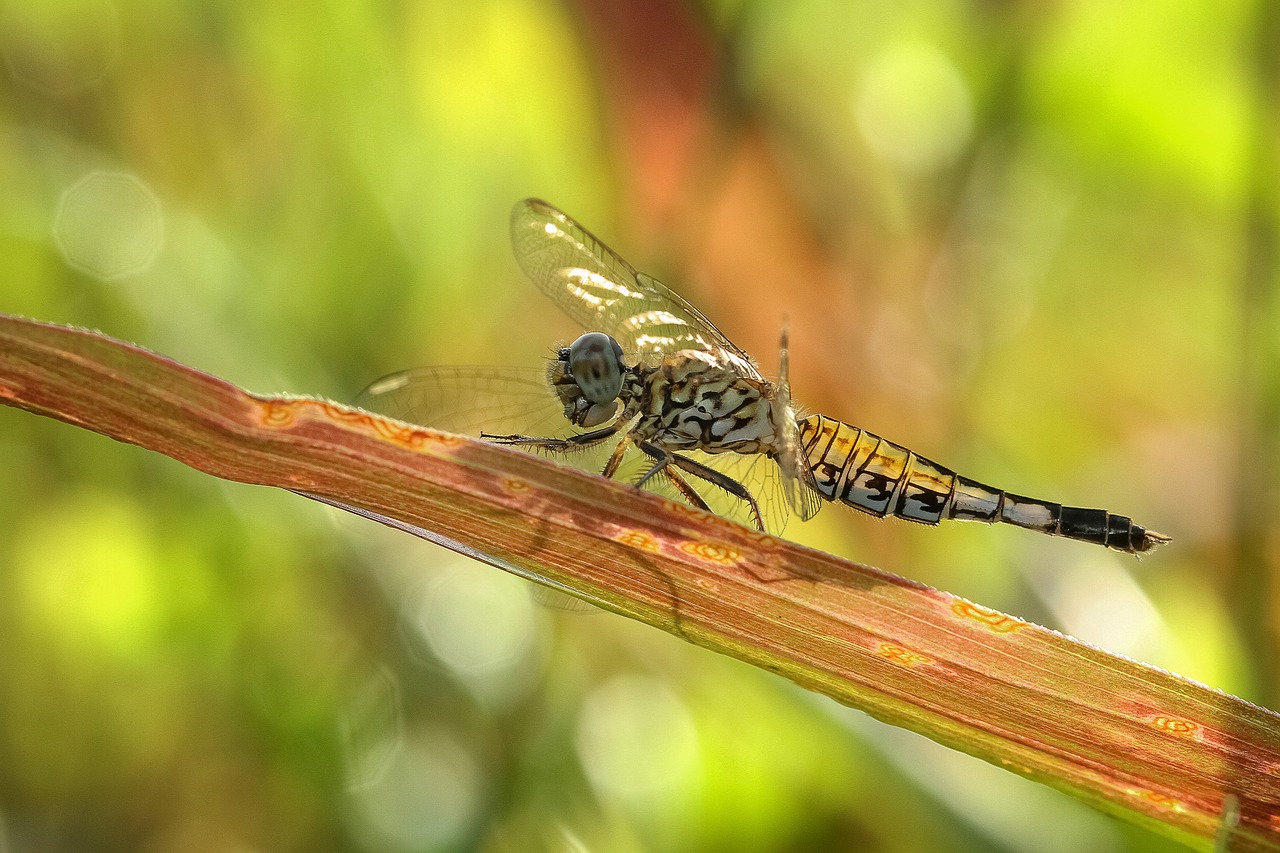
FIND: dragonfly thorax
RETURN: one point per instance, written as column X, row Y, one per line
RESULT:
column 702, row 400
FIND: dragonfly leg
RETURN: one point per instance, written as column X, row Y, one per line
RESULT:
column 573, row 442
column 680, row 483
column 663, row 464
column 611, row 467
column 689, row 492
column 663, row 459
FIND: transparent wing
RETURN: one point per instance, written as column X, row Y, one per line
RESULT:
column 794, row 478
column 604, row 293
column 470, row 400
column 793, row 466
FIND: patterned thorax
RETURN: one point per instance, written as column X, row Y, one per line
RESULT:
column 695, row 399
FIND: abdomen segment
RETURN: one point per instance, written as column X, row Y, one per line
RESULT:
column 854, row 467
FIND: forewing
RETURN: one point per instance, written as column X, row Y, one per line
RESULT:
column 470, row 400
column 604, row 293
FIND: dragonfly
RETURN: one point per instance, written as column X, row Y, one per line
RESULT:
column 652, row 393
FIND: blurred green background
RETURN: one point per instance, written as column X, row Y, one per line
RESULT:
column 1036, row 242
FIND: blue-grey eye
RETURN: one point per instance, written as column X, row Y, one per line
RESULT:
column 595, row 363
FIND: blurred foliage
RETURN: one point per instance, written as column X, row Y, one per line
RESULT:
column 1010, row 235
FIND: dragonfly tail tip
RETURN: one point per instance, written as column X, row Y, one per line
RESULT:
column 1151, row 540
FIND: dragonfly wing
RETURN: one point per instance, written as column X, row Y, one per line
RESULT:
column 597, row 288
column 803, row 499
column 470, row 400
column 790, row 461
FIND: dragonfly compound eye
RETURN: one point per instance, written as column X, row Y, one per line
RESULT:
column 595, row 363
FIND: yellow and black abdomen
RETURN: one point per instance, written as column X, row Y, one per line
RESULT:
column 854, row 467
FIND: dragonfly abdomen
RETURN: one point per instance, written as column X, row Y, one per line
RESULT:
column 855, row 467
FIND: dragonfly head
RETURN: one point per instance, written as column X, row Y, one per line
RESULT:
column 588, row 377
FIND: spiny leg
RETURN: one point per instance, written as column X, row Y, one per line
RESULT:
column 578, row 442
column 697, row 469
column 562, row 445
column 663, row 465
column 689, row 492
column 681, row 485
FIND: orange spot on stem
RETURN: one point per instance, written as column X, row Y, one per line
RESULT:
column 902, row 656
column 1162, row 800
column 277, row 414
column 993, row 619
column 711, row 552
column 1178, row 727
column 638, row 539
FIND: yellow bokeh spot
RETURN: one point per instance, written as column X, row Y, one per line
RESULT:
column 86, row 573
